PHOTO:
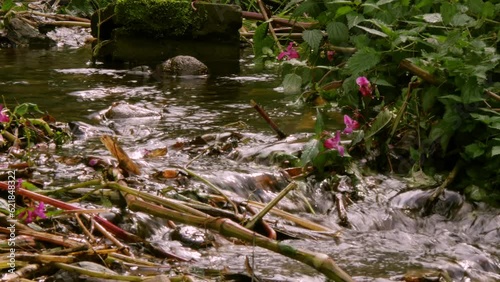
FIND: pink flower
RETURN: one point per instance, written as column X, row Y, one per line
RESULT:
column 3, row 117
column 289, row 54
column 31, row 214
column 364, row 86
column 329, row 55
column 350, row 125
column 334, row 143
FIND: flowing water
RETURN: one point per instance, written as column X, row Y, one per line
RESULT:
column 386, row 239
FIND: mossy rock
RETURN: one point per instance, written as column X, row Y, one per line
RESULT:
column 167, row 18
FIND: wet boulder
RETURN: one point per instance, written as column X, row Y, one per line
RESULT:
column 181, row 66
column 21, row 33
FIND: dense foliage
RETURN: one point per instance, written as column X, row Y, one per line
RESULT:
column 419, row 77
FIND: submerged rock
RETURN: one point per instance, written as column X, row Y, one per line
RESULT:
column 181, row 65
column 125, row 111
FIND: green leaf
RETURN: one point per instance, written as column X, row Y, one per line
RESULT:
column 471, row 91
column 309, row 7
column 462, row 20
column 475, row 6
column 292, row 83
column 495, row 150
column 383, row 2
column 433, row 18
column 259, row 40
column 474, row 150
column 372, row 31
column 319, row 124
column 313, row 38
column 337, row 32
column 382, row 120
column 363, row 60
column 354, row 19
column 342, row 11
column 24, row 108
column 382, row 82
column 488, row 10
column 7, row 5
column 386, row 29
column 309, row 152
column 429, row 98
column 447, row 12
column 452, row 97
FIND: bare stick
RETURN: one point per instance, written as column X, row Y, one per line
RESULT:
column 251, row 223
column 271, row 29
column 266, row 117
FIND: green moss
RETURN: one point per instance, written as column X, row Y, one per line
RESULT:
column 159, row 18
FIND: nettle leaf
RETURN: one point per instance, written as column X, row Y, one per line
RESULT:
column 382, row 82
column 447, row 12
column 363, row 60
column 495, row 150
column 309, row 152
column 475, row 6
column 433, row 18
column 429, row 98
column 381, row 120
column 488, row 10
column 292, row 83
column 343, row 11
column 337, row 32
column 313, row 38
column 475, row 150
column 372, row 31
column 382, row 2
column 386, row 29
column 354, row 19
column 471, row 91
column 309, row 7
column 462, row 20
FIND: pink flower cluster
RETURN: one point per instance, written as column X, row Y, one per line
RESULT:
column 365, row 86
column 334, row 142
column 289, row 54
column 31, row 214
column 3, row 117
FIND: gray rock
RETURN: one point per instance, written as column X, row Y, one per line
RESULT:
column 180, row 66
column 21, row 33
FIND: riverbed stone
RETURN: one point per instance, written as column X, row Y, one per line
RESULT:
column 180, row 66
column 21, row 33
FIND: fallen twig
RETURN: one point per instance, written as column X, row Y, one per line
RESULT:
column 97, row 274
column 431, row 202
column 492, row 95
column 321, row 262
column 251, row 223
column 269, row 22
column 423, row 74
column 263, row 114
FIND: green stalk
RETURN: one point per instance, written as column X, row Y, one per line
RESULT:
column 251, row 223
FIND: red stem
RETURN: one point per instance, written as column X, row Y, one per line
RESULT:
column 117, row 231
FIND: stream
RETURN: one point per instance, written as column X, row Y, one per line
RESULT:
column 387, row 239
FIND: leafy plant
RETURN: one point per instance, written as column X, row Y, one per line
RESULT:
column 433, row 68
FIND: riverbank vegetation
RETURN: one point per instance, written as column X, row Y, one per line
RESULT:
column 417, row 87
column 421, row 80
